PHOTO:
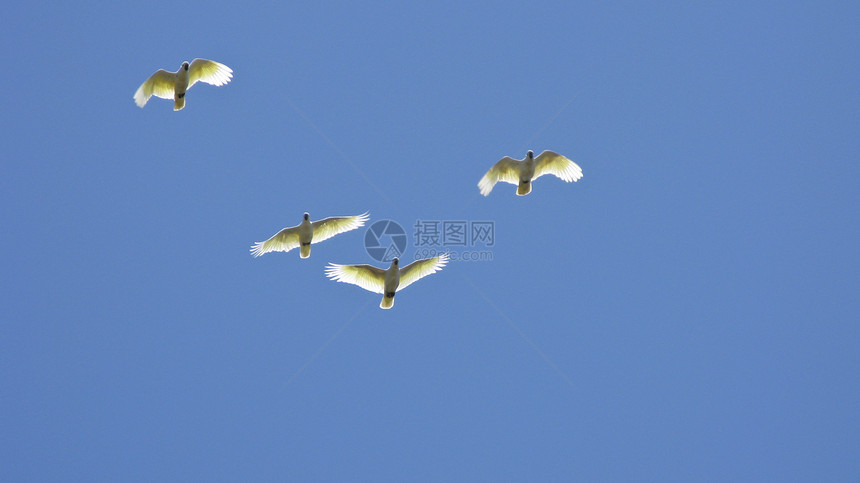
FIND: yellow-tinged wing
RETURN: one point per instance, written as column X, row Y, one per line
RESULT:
column 329, row 227
column 553, row 163
column 160, row 84
column 421, row 268
column 507, row 170
column 208, row 71
column 365, row 276
column 284, row 241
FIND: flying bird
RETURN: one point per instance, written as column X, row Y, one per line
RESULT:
column 308, row 232
column 386, row 282
column 523, row 172
column 172, row 85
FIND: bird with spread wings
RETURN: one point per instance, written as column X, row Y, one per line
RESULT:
column 172, row 85
column 522, row 172
column 307, row 232
column 386, row 282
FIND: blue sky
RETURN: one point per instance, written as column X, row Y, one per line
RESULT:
column 686, row 311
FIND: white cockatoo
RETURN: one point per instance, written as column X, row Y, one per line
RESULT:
column 172, row 85
column 523, row 172
column 308, row 232
column 386, row 282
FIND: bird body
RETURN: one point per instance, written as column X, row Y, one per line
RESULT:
column 392, row 282
column 306, row 233
column 306, row 236
column 386, row 282
column 523, row 172
column 527, row 172
column 173, row 85
column 180, row 86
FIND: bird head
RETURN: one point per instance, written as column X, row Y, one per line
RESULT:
column 395, row 261
column 185, row 65
column 530, row 154
column 307, row 216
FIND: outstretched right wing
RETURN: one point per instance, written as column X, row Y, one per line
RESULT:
column 365, row 276
column 507, row 170
column 284, row 241
column 160, row 84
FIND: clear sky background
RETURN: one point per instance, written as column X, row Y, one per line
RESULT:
column 688, row 310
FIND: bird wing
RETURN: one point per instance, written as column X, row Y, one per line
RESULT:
column 421, row 268
column 553, row 163
column 284, row 241
column 208, row 71
column 329, row 227
column 365, row 276
column 507, row 170
column 160, row 84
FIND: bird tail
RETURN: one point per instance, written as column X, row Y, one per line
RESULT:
column 387, row 302
column 524, row 188
column 305, row 251
column 178, row 103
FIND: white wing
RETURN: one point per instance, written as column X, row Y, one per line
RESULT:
column 284, row 241
column 160, row 84
column 329, row 227
column 507, row 170
column 553, row 163
column 208, row 71
column 421, row 268
column 365, row 276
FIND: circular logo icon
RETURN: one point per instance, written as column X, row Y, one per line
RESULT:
column 385, row 240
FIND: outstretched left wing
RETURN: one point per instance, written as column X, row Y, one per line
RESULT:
column 329, row 227
column 553, row 163
column 208, row 71
column 420, row 269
